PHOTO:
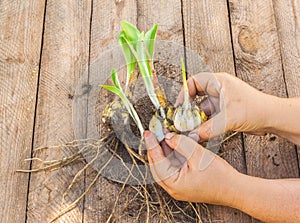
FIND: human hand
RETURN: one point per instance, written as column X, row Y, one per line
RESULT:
column 232, row 105
column 190, row 172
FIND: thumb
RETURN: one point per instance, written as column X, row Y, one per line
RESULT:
column 211, row 128
column 182, row 144
column 160, row 166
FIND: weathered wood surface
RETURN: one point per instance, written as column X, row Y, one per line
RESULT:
column 207, row 31
column 259, row 41
column 258, row 62
column 105, row 27
column 257, row 58
column 21, row 29
column 64, row 59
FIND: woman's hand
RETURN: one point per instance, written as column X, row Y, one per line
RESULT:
column 235, row 105
column 190, row 172
column 232, row 104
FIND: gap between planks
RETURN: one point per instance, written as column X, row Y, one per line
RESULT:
column 35, row 109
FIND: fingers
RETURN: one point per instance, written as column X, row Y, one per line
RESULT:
column 192, row 92
column 200, row 84
column 207, row 106
column 166, row 149
column 182, row 144
column 176, row 159
column 161, row 167
column 188, row 147
column 207, row 83
column 211, row 128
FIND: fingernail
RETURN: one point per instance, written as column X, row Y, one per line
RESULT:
column 166, row 131
column 147, row 134
column 170, row 135
column 150, row 140
column 194, row 136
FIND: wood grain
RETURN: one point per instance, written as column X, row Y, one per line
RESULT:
column 105, row 54
column 169, row 46
column 20, row 41
column 106, row 20
column 207, row 32
column 257, row 55
column 64, row 59
column 287, row 15
column 266, row 44
column 258, row 62
column 168, row 16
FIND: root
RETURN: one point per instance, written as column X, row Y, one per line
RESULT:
column 53, row 164
column 117, row 200
column 74, row 203
column 77, row 175
column 153, row 202
column 224, row 140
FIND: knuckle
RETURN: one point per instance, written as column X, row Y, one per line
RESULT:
column 204, row 132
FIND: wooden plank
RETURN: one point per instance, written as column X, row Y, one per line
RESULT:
column 64, row 60
column 105, row 28
column 168, row 16
column 258, row 62
column 169, row 45
column 287, row 15
column 207, row 32
column 104, row 55
column 20, row 41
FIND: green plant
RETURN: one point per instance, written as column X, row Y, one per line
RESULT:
column 138, row 49
column 117, row 89
column 186, row 116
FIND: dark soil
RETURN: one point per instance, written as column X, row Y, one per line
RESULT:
column 169, row 76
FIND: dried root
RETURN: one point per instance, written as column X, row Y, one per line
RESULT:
column 154, row 203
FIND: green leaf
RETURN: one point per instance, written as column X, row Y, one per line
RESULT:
column 131, row 32
column 129, row 57
column 127, row 105
column 140, row 54
column 143, row 59
column 185, row 87
column 183, row 72
column 112, row 89
column 115, row 79
column 150, row 40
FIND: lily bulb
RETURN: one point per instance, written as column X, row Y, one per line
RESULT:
column 186, row 116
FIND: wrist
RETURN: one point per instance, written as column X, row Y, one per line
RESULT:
column 283, row 118
column 273, row 107
column 232, row 194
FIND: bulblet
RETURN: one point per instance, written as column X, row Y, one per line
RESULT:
column 187, row 118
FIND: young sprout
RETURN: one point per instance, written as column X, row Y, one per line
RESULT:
column 117, row 89
column 129, row 57
column 139, row 48
column 186, row 116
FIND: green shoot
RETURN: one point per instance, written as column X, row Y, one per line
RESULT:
column 186, row 117
column 142, row 48
column 129, row 58
column 150, row 40
column 118, row 91
column 131, row 32
column 186, row 102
